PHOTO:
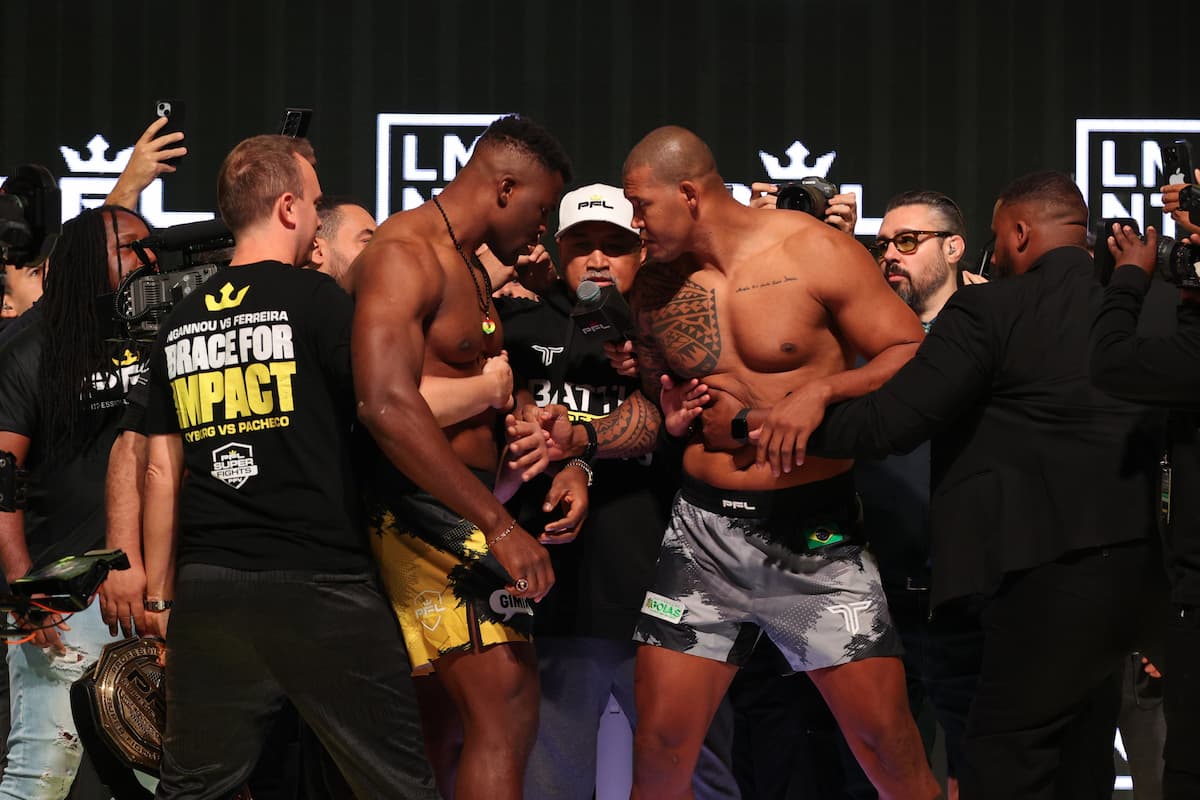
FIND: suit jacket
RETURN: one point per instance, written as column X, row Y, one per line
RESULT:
column 1029, row 461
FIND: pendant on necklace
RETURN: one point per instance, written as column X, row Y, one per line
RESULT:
column 489, row 327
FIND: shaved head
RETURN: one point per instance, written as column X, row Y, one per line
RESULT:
column 1051, row 196
column 674, row 154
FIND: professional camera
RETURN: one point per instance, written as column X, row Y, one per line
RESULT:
column 1178, row 262
column 14, row 483
column 810, row 195
column 1189, row 201
column 30, row 216
column 187, row 256
column 1175, row 262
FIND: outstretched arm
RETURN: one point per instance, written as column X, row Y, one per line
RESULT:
column 148, row 161
column 453, row 400
column 869, row 317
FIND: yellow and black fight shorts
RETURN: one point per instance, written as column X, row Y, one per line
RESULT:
column 446, row 588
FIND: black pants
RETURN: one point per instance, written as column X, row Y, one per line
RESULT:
column 240, row 643
column 1042, row 722
column 942, row 654
column 1181, row 705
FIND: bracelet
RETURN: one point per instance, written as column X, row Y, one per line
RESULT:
column 157, row 605
column 511, row 527
column 589, row 452
column 583, row 465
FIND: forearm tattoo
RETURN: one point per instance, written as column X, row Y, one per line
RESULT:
column 631, row 430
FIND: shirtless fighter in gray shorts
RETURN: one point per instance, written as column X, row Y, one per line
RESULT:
column 768, row 310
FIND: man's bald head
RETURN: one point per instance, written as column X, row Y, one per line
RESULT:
column 674, row 154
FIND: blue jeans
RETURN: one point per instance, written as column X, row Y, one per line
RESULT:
column 43, row 747
column 577, row 675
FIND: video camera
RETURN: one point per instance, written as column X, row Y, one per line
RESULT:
column 30, row 216
column 67, row 585
column 187, row 256
column 14, row 483
column 810, row 195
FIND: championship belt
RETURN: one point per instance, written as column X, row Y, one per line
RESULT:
column 123, row 702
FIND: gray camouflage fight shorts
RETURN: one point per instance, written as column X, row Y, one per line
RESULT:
column 788, row 563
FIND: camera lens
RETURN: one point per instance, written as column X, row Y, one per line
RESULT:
column 1178, row 262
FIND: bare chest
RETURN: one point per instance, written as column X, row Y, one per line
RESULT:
column 764, row 321
column 465, row 327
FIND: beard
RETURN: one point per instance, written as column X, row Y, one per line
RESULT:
column 915, row 292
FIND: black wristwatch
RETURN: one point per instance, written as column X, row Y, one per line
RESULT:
column 589, row 452
column 739, row 427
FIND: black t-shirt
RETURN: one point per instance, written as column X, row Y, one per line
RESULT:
column 65, row 515
column 601, row 578
column 253, row 371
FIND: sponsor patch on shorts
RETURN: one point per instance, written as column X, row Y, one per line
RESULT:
column 663, row 608
column 823, row 535
column 507, row 606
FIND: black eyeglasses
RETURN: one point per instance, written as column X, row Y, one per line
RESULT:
column 906, row 242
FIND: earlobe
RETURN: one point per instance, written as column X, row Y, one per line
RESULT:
column 317, row 256
column 287, row 210
column 690, row 193
column 1023, row 235
column 507, row 185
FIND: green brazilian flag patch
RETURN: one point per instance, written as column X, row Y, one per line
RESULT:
column 823, row 536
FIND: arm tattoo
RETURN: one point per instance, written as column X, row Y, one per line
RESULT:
column 683, row 320
column 631, row 430
column 677, row 326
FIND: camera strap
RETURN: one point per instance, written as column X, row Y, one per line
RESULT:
column 1164, row 489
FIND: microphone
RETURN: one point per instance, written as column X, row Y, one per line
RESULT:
column 602, row 313
column 188, row 235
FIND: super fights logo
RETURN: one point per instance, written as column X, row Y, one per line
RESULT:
column 1119, row 168
column 418, row 154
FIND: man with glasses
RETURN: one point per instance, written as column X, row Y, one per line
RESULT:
column 1042, row 497
column 920, row 245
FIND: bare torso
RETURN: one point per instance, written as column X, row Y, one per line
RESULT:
column 455, row 343
column 752, row 330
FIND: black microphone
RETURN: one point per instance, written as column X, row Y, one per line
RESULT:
column 188, row 235
column 602, row 313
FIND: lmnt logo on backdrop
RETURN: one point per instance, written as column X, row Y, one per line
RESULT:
column 418, row 154
column 1119, row 169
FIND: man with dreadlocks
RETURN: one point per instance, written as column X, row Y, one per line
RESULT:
column 62, row 383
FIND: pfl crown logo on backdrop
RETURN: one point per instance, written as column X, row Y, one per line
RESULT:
column 98, row 146
column 797, row 166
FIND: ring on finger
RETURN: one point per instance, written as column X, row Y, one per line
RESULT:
column 521, row 585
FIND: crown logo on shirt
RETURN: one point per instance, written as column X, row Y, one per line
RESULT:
column 797, row 166
column 98, row 146
column 127, row 358
column 227, row 299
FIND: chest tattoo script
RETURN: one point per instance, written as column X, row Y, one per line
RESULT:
column 767, row 284
column 686, row 326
